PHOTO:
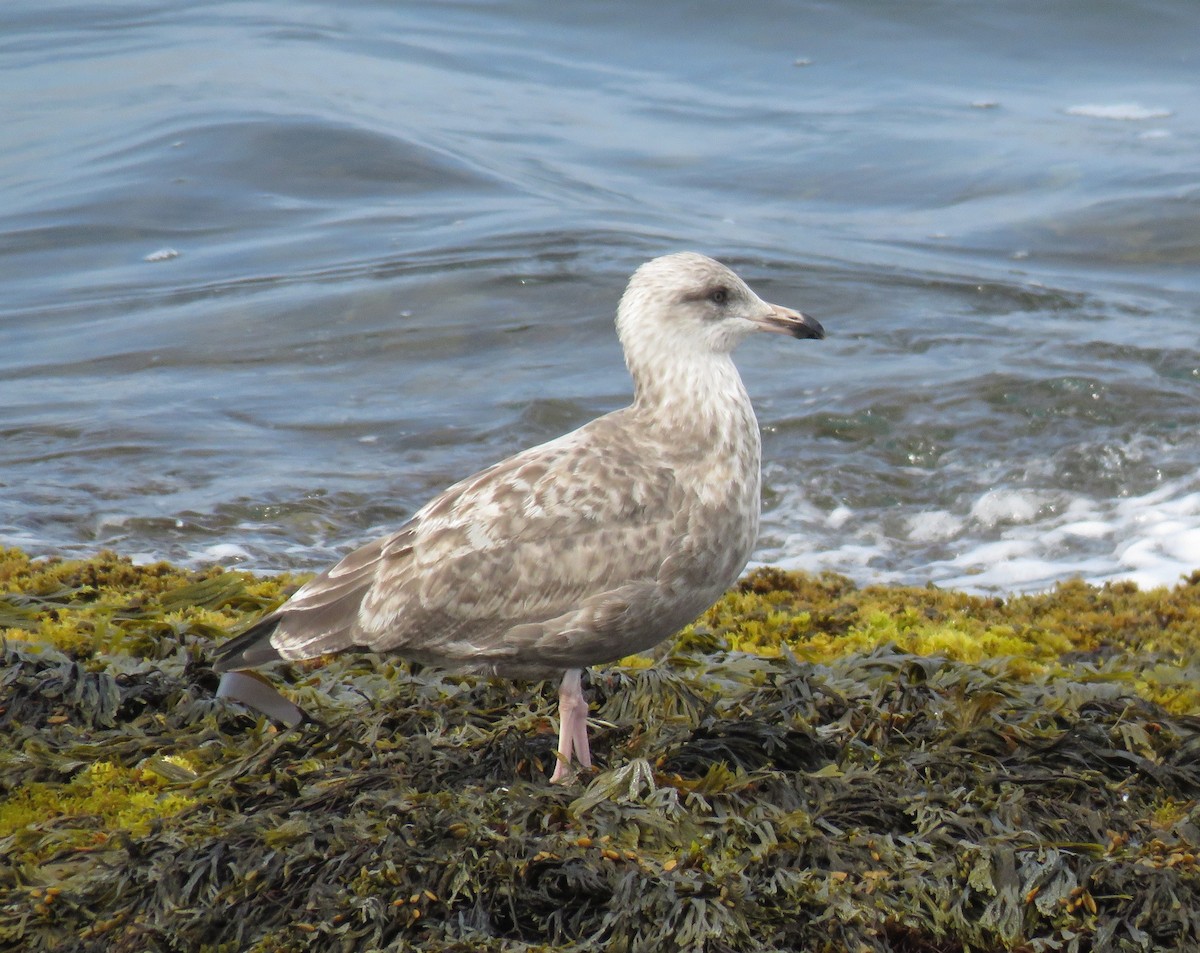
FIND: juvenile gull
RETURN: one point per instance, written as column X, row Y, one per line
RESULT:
column 588, row 548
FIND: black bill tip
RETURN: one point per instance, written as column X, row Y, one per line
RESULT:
column 786, row 321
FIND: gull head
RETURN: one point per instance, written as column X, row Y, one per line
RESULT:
column 688, row 304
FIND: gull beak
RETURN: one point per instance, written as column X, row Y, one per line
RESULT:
column 786, row 321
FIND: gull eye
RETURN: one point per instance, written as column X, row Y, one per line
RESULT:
column 719, row 295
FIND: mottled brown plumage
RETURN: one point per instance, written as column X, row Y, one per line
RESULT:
column 584, row 549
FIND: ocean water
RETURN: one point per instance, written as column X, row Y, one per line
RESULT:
column 275, row 272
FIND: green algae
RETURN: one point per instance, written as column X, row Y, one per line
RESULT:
column 101, row 799
column 810, row 766
column 107, row 605
column 1150, row 637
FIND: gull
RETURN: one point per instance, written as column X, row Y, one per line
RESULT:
column 593, row 546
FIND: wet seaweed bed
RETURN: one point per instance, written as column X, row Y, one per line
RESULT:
column 812, row 766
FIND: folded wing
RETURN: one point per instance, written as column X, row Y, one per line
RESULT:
column 539, row 560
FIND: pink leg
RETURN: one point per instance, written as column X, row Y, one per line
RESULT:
column 572, row 725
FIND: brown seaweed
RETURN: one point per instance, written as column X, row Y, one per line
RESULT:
column 812, row 766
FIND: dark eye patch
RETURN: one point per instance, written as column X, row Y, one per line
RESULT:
column 719, row 295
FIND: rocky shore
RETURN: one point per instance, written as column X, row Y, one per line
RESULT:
column 811, row 766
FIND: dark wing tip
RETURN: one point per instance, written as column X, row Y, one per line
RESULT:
column 253, row 647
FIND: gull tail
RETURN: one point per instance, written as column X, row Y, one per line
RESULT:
column 254, row 691
column 253, row 647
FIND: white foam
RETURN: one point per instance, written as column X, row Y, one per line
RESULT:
column 19, row 539
column 1006, row 540
column 1084, row 529
column 109, row 523
column 839, row 516
column 859, row 556
column 1122, row 111
column 933, row 526
column 223, row 553
column 1152, row 540
column 1007, row 506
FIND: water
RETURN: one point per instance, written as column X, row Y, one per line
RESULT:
column 273, row 273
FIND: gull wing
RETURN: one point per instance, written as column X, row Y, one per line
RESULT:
column 546, row 549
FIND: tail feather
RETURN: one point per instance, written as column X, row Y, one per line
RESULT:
column 254, row 691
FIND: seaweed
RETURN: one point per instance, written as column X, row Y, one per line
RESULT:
column 810, row 766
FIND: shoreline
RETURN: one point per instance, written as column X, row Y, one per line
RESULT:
column 812, row 765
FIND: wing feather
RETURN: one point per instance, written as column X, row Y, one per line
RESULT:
column 501, row 560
